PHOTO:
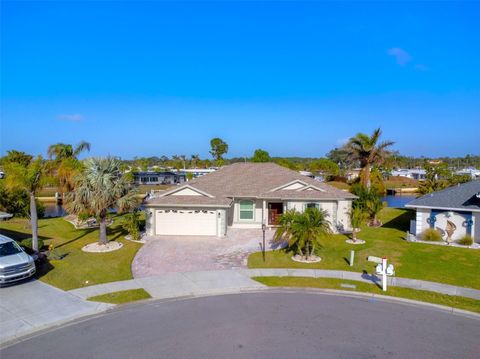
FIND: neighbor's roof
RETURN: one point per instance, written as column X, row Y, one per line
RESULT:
column 465, row 196
column 253, row 180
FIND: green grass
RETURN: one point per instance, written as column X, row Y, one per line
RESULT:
column 77, row 268
column 451, row 265
column 420, row 295
column 124, row 296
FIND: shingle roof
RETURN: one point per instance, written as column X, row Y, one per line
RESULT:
column 462, row 197
column 253, row 180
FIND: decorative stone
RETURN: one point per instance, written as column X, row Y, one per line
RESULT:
column 358, row 241
column 300, row 259
column 102, row 248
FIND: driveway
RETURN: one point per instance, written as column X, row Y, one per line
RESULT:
column 166, row 254
column 33, row 305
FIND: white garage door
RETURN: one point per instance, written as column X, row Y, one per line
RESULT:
column 186, row 222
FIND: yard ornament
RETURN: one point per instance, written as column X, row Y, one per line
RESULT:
column 450, row 229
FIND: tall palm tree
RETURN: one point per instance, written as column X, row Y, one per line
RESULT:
column 60, row 151
column 303, row 231
column 65, row 163
column 369, row 152
column 194, row 160
column 30, row 177
column 99, row 187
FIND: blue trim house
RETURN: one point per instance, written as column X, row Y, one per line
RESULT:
column 455, row 208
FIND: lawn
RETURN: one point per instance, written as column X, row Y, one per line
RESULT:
column 77, row 268
column 121, row 297
column 420, row 295
column 456, row 266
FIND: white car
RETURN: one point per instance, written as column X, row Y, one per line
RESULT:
column 15, row 264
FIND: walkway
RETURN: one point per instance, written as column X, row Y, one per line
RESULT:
column 34, row 305
column 199, row 283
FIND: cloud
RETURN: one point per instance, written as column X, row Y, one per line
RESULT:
column 401, row 56
column 73, row 117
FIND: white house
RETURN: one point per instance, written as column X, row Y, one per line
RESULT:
column 456, row 208
column 242, row 195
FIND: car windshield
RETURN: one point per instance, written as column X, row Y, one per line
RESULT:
column 9, row 248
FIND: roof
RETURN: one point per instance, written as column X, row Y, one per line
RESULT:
column 251, row 180
column 464, row 196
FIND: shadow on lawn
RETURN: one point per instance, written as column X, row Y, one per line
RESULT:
column 20, row 236
column 401, row 222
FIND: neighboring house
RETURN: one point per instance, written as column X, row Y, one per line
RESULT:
column 459, row 205
column 242, row 195
column 415, row 173
column 197, row 172
column 471, row 171
column 159, row 177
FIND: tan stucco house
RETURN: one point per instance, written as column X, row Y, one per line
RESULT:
column 242, row 195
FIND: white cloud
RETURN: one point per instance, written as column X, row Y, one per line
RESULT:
column 74, row 117
column 401, row 56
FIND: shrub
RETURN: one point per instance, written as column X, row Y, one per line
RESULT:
column 27, row 243
column 132, row 225
column 431, row 235
column 465, row 240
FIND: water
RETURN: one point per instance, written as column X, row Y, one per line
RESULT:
column 54, row 210
column 398, row 201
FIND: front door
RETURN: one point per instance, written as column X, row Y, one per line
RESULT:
column 275, row 210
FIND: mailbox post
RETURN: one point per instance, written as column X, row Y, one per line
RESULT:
column 384, row 270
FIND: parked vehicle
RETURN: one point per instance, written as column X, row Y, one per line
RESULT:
column 15, row 264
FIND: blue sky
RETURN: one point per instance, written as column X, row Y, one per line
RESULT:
column 296, row 79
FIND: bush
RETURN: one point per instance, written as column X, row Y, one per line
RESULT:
column 431, row 235
column 132, row 225
column 27, row 243
column 465, row 240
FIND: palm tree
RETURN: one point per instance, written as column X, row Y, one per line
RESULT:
column 303, row 231
column 60, row 151
column 194, row 160
column 99, row 187
column 65, row 162
column 369, row 152
column 31, row 178
column 357, row 216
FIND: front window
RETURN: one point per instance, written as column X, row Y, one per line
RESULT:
column 312, row 205
column 246, row 210
column 9, row 248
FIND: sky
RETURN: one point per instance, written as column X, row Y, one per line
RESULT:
column 151, row 78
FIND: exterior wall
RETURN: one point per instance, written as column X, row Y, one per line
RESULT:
column 421, row 223
column 476, row 227
column 343, row 216
column 221, row 222
column 235, row 221
column 150, row 221
column 457, row 219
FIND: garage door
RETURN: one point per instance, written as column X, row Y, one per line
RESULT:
column 186, row 222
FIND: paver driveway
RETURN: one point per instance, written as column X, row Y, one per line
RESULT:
column 164, row 254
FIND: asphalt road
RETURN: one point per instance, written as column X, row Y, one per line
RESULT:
column 273, row 324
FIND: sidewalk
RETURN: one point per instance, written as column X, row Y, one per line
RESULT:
column 198, row 283
column 34, row 305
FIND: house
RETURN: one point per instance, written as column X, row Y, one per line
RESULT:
column 471, row 171
column 414, row 173
column 455, row 208
column 242, row 195
column 159, row 177
column 197, row 172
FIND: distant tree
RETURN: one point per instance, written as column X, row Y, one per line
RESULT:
column 19, row 157
column 369, row 152
column 261, row 156
column 31, row 178
column 218, row 149
column 326, row 166
column 342, row 158
column 286, row 163
column 194, row 160
column 100, row 187
column 60, row 151
column 437, row 177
